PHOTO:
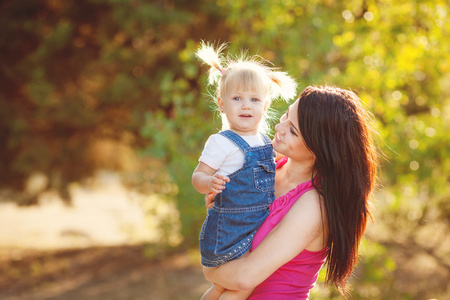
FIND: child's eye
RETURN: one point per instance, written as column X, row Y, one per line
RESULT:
column 255, row 99
column 237, row 98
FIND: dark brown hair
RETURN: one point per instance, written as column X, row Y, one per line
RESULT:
column 337, row 130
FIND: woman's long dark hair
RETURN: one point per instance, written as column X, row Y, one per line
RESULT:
column 335, row 127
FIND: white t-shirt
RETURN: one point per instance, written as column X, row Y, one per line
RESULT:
column 221, row 154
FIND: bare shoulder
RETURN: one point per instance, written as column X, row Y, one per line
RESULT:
column 310, row 200
column 306, row 210
column 308, row 213
column 312, row 195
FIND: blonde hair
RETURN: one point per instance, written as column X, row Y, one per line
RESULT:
column 249, row 72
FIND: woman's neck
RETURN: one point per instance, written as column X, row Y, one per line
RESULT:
column 298, row 171
column 291, row 175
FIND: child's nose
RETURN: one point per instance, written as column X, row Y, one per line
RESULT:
column 246, row 104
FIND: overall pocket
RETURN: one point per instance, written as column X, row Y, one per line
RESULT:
column 236, row 226
column 264, row 175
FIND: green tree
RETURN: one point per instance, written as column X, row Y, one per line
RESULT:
column 94, row 84
column 81, row 78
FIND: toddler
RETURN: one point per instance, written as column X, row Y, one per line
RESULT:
column 241, row 156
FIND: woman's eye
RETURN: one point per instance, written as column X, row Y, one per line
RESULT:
column 293, row 131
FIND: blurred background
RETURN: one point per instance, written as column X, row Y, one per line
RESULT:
column 104, row 111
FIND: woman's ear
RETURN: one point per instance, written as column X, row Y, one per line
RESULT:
column 220, row 104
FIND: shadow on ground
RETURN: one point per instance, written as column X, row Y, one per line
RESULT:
column 113, row 273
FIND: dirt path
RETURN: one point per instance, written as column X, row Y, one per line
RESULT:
column 104, row 217
column 113, row 273
column 102, row 213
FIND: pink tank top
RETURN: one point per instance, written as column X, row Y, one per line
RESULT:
column 296, row 278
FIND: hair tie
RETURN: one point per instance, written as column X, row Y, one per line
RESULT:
column 223, row 71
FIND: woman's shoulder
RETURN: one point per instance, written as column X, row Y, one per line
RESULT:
column 309, row 201
column 290, row 197
column 311, row 195
column 309, row 207
column 312, row 204
column 305, row 213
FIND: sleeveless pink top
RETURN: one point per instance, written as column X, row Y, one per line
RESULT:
column 294, row 279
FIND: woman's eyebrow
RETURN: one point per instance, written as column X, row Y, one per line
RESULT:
column 287, row 115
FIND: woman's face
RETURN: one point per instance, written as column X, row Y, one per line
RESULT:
column 288, row 139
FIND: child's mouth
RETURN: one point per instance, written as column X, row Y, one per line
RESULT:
column 245, row 116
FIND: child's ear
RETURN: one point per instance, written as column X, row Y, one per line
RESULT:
column 220, row 104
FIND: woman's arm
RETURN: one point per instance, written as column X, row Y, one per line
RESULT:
column 301, row 226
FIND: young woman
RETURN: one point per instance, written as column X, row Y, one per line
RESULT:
column 322, row 189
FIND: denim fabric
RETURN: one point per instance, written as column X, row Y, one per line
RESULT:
column 230, row 225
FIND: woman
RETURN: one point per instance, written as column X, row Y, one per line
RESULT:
column 322, row 188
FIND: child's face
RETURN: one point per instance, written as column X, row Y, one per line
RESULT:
column 244, row 110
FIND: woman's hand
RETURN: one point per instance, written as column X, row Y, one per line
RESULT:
column 209, row 200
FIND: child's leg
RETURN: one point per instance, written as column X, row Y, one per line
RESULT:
column 213, row 293
column 236, row 295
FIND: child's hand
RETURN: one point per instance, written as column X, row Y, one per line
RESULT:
column 217, row 183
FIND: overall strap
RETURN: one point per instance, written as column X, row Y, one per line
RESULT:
column 235, row 138
column 266, row 139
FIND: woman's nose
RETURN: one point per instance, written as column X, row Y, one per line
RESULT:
column 279, row 128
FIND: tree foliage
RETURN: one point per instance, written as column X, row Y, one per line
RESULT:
column 80, row 79
column 93, row 84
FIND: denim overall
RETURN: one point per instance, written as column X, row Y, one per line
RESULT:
column 240, row 209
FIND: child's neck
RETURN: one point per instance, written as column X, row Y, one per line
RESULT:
column 244, row 133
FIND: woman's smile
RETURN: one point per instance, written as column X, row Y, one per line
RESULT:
column 277, row 139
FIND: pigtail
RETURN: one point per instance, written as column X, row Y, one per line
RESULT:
column 213, row 58
column 283, row 86
column 244, row 71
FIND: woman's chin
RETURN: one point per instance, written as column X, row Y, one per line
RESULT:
column 276, row 146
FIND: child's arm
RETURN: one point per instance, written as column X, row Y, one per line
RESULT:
column 206, row 180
